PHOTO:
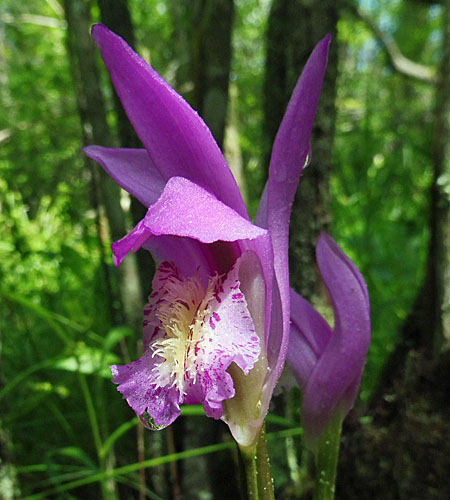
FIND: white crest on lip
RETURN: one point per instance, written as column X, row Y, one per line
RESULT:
column 181, row 311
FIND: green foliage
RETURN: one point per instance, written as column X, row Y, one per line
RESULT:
column 383, row 171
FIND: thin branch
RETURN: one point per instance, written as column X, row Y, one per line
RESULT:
column 47, row 21
column 400, row 63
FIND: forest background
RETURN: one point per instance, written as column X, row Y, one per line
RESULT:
column 379, row 181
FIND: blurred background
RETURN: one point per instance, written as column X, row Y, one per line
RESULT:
column 379, row 181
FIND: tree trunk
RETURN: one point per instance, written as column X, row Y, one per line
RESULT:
column 295, row 26
column 95, row 131
column 202, row 34
column 211, row 62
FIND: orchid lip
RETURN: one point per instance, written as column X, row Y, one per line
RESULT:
column 193, row 334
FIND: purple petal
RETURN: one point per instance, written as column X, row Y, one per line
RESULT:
column 189, row 255
column 187, row 210
column 309, row 336
column 333, row 246
column 176, row 138
column 131, row 169
column 334, row 382
column 231, row 338
column 136, row 381
column 289, row 156
column 314, row 329
column 291, row 146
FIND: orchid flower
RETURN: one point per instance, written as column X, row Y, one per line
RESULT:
column 216, row 325
column 328, row 362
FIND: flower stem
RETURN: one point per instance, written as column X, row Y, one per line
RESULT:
column 327, row 459
column 257, row 469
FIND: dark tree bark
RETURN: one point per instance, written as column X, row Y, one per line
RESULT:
column 211, row 56
column 95, row 131
column 202, row 33
column 295, row 26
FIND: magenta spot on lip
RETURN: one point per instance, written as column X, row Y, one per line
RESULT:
column 155, row 331
column 216, row 316
column 237, row 295
column 211, row 323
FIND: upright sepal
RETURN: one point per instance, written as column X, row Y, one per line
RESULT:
column 177, row 140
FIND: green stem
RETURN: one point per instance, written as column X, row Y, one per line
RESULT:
column 327, row 459
column 257, row 469
column 95, row 429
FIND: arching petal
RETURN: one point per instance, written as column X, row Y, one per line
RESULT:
column 187, row 210
column 314, row 329
column 291, row 146
column 309, row 336
column 334, row 382
column 131, row 169
column 176, row 138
